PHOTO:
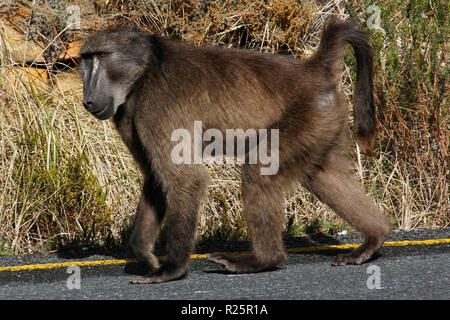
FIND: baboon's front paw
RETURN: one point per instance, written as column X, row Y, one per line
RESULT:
column 164, row 274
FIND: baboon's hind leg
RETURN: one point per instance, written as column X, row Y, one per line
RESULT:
column 337, row 188
column 263, row 209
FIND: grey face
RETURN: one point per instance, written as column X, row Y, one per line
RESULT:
column 112, row 62
column 98, row 95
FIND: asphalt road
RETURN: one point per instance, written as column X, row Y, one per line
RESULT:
column 411, row 271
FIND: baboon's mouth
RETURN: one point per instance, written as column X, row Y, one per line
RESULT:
column 100, row 112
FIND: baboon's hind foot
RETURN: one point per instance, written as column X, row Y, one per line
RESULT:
column 247, row 263
column 361, row 254
column 163, row 274
column 338, row 189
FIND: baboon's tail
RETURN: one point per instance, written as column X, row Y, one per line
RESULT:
column 335, row 35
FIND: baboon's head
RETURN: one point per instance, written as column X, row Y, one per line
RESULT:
column 112, row 62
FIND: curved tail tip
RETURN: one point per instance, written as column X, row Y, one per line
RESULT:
column 367, row 145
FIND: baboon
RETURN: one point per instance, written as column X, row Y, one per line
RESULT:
column 150, row 86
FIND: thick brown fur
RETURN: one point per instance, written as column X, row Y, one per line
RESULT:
column 230, row 88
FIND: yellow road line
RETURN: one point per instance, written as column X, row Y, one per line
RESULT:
column 354, row 245
column 66, row 264
column 203, row 256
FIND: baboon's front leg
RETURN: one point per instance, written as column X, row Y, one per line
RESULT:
column 182, row 207
column 147, row 224
column 181, row 237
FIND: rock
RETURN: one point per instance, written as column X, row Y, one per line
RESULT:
column 19, row 48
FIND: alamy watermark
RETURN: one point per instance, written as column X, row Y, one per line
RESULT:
column 374, row 280
column 189, row 150
column 74, row 17
column 374, row 20
column 74, row 280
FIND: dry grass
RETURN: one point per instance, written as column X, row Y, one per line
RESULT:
column 67, row 179
column 64, row 177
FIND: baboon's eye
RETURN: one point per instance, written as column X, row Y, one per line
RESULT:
column 102, row 54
